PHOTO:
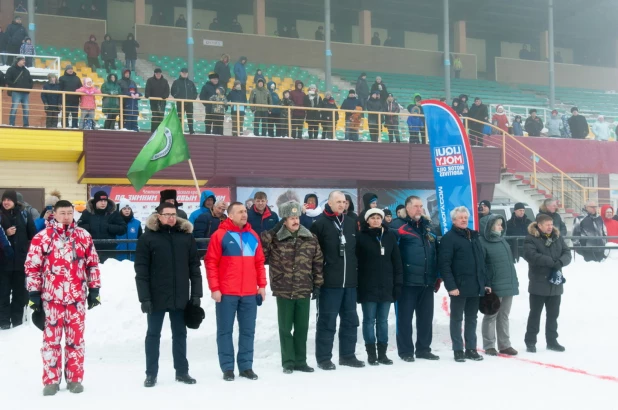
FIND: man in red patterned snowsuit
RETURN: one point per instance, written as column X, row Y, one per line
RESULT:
column 62, row 271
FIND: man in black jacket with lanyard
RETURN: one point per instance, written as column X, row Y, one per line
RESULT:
column 337, row 297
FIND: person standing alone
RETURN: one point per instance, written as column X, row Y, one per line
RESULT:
column 158, row 87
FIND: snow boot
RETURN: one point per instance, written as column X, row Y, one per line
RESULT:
column 509, row 351
column 372, row 357
column 555, row 346
column 288, row 369
column 427, row 356
column 75, row 387
column 50, row 389
column 327, row 365
column 472, row 354
column 228, row 376
column 248, row 374
column 185, row 378
column 531, row 348
column 459, row 356
column 351, row 361
column 407, row 358
column 150, row 381
column 491, row 352
column 304, row 369
column 382, row 358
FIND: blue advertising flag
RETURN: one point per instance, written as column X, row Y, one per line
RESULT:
column 453, row 165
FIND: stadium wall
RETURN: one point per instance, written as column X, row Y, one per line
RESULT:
column 69, row 32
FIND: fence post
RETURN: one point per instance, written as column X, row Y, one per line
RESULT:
column 64, row 110
column 562, row 184
column 121, row 123
column 503, row 149
column 379, row 127
column 290, row 123
column 182, row 116
column 534, row 172
column 238, row 125
column 334, row 124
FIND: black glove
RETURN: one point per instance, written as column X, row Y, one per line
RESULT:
column 558, row 265
column 195, row 301
column 147, row 307
column 93, row 298
column 35, row 302
column 316, row 293
column 397, row 292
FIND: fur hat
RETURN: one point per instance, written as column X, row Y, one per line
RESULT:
column 290, row 208
column 10, row 194
column 373, row 211
column 169, row 194
column 52, row 198
column 489, row 304
column 194, row 315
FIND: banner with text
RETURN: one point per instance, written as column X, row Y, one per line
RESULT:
column 453, row 164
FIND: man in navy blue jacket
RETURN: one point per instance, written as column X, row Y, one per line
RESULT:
column 260, row 216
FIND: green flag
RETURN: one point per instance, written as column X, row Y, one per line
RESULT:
column 167, row 146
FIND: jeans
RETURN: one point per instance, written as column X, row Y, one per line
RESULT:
column 110, row 63
column 12, row 283
column 351, row 134
column 393, row 133
column 498, row 323
column 179, row 342
column 375, row 321
column 552, row 310
column 293, row 314
column 226, row 311
column 297, row 128
column 129, row 64
column 237, row 123
column 86, row 119
column 419, row 300
column 3, row 58
column 460, row 306
column 23, row 99
column 260, row 117
column 374, row 131
column 333, row 303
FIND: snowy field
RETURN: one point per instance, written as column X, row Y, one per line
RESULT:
column 585, row 377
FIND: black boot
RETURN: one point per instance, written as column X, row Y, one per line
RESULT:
column 185, row 378
column 249, row 374
column 327, row 365
column 472, row 354
column 555, row 346
column 304, row 368
column 228, row 375
column 372, row 357
column 382, row 358
column 351, row 361
column 460, row 356
column 150, row 381
column 530, row 348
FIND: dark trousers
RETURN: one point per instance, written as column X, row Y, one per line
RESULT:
column 237, row 123
column 393, row 133
column 374, row 132
column 476, row 133
column 260, row 118
column 94, row 62
column 284, row 127
column 29, row 62
column 12, row 297
column 110, row 121
column 416, row 136
column 460, row 306
column 72, row 110
column 297, row 127
column 333, row 303
column 157, row 109
column 327, row 129
column 130, row 122
column 552, row 311
column 110, row 63
column 226, row 310
column 179, row 342
column 419, row 300
column 188, row 114
column 51, row 117
column 208, row 119
column 274, row 125
column 313, row 128
column 293, row 314
column 217, row 123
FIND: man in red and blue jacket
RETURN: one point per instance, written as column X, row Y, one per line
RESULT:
column 260, row 216
column 237, row 281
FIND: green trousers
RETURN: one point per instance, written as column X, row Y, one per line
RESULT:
column 293, row 314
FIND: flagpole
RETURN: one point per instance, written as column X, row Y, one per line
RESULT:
column 197, row 186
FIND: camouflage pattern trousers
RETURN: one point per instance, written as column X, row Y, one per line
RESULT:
column 68, row 320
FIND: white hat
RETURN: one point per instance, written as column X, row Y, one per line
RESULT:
column 374, row 211
column 124, row 202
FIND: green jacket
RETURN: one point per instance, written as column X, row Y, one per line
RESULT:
column 260, row 96
column 111, row 105
column 501, row 273
column 295, row 262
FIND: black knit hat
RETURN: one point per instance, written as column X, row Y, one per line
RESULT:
column 387, row 212
column 100, row 196
column 351, row 92
column 194, row 316
column 519, row 205
column 399, row 207
column 213, row 75
column 11, row 195
column 486, row 203
column 158, row 70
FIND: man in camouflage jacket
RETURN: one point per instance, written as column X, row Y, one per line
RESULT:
column 296, row 262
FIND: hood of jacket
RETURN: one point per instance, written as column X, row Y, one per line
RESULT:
column 92, row 37
column 124, row 72
column 271, row 83
column 296, row 84
column 604, row 208
column 242, row 58
column 107, row 38
column 109, row 78
column 367, row 199
column 534, row 231
column 205, row 195
column 486, row 224
column 182, row 225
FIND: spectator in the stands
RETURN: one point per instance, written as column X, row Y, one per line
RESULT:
column 27, row 50
column 500, row 120
column 83, row 11
column 108, row 53
column 480, row 113
column 457, row 65
column 381, row 87
column 64, row 10
column 208, row 90
column 129, row 48
column 3, row 41
column 21, row 8
column 534, row 124
column 518, row 129
column 126, row 82
column 157, row 87
column 15, row 35
column 328, row 102
column 463, row 102
column 240, row 72
column 313, row 100
column 601, row 129
column 293, row 32
column 484, row 208
column 181, row 21
column 18, row 76
column 92, row 49
column 94, row 12
column 352, row 119
column 218, row 110
column 362, row 89
column 222, row 68
column 51, row 102
column 456, row 106
column 389, row 42
column 524, row 53
column 375, row 40
column 554, row 125
column 286, row 101
column 566, row 128
column 111, row 105
column 237, row 95
column 87, row 104
column 374, row 104
column 70, row 82
column 578, row 124
column 131, row 109
column 157, row 19
column 260, row 95
column 258, row 75
column 236, row 27
column 274, row 117
column 319, row 33
column 391, row 119
column 416, row 124
column 184, row 89
column 298, row 116
column 214, row 25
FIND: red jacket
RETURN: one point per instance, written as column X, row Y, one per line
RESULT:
column 610, row 224
column 235, row 261
column 62, row 264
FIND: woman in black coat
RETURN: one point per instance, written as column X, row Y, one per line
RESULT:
column 380, row 278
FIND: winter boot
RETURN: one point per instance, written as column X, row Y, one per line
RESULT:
column 185, row 378
column 427, row 356
column 382, row 358
column 530, row 348
column 491, row 352
column 555, row 346
column 509, row 351
column 327, row 365
column 407, row 358
column 50, row 389
column 372, row 357
column 248, row 374
column 472, row 354
column 228, row 375
column 75, row 387
column 150, row 381
column 460, row 356
column 351, row 361
column 288, row 369
column 304, row 369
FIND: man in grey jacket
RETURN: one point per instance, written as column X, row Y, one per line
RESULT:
column 590, row 225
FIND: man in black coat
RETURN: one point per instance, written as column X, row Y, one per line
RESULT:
column 109, row 53
column 337, row 297
column 18, row 76
column 517, row 226
column 362, row 89
column 157, row 86
column 70, row 82
column 168, row 277
column 184, row 89
column 381, row 88
column 208, row 90
column 462, row 266
column 418, row 248
column 222, row 69
column 590, row 225
column 479, row 112
column 578, row 124
column 19, row 229
column 534, row 124
column 103, row 221
column 547, row 254
column 550, row 208
column 15, row 34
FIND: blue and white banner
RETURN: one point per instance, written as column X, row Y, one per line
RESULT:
column 453, row 165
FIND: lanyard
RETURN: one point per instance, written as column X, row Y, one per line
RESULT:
column 380, row 242
column 339, row 226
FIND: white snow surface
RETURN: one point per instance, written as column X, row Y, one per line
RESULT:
column 115, row 360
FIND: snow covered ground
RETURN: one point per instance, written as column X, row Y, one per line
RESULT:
column 586, row 376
